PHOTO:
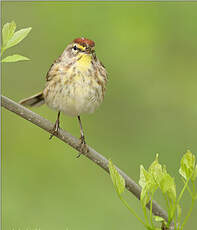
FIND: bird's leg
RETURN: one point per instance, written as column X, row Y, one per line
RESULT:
column 83, row 147
column 56, row 126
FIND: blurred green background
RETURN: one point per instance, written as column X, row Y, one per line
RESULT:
column 150, row 52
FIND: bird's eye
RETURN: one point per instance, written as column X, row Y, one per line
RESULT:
column 75, row 47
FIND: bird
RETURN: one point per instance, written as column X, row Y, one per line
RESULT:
column 75, row 85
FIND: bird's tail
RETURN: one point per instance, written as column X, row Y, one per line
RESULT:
column 35, row 100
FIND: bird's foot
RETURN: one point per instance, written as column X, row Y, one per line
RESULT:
column 83, row 147
column 55, row 130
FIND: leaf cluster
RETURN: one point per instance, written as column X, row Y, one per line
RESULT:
column 157, row 178
column 11, row 38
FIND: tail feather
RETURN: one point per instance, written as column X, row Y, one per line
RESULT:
column 35, row 100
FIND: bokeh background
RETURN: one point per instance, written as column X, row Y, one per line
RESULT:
column 150, row 52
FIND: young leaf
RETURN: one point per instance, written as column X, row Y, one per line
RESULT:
column 156, row 170
column 194, row 174
column 15, row 58
column 8, row 32
column 18, row 37
column 187, row 165
column 159, row 218
column 148, row 185
column 145, row 196
column 147, row 180
column 142, row 180
column 117, row 179
column 167, row 185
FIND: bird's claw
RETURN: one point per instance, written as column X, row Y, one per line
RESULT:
column 54, row 131
column 82, row 147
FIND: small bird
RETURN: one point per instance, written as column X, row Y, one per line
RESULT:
column 75, row 84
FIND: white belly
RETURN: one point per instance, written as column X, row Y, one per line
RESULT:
column 81, row 95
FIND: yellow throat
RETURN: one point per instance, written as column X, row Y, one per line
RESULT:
column 85, row 61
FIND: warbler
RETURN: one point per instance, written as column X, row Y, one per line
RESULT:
column 75, row 84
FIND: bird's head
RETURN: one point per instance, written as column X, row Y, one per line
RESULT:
column 81, row 49
column 83, row 45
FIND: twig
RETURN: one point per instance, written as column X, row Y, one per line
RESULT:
column 75, row 143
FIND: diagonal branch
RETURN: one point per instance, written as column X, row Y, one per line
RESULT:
column 75, row 143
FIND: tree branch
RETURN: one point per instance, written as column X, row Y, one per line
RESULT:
column 75, row 143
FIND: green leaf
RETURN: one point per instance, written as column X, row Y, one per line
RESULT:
column 167, row 185
column 142, row 181
column 194, row 174
column 8, row 32
column 18, row 37
column 159, row 218
column 15, row 58
column 117, row 179
column 146, row 179
column 187, row 165
column 145, row 196
column 156, row 170
column 148, row 185
column 155, row 177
